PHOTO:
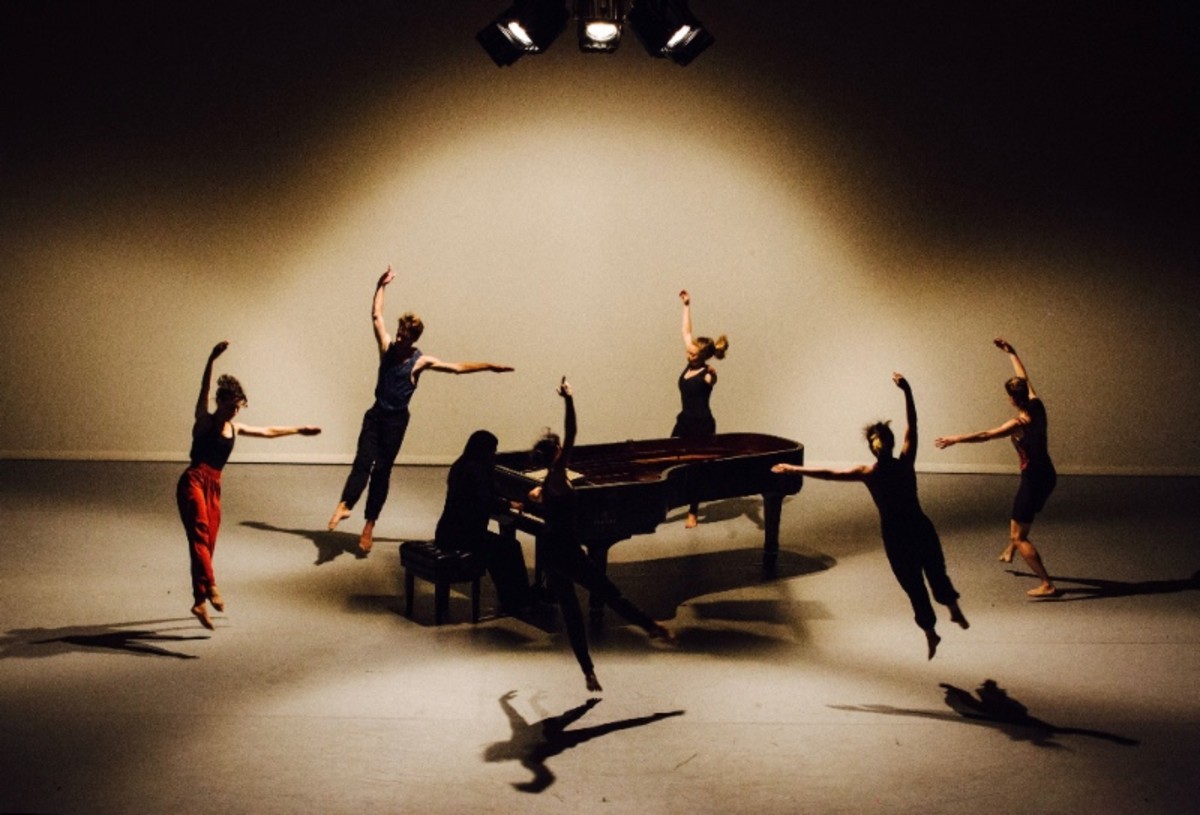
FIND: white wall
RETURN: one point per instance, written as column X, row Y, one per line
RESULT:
column 545, row 216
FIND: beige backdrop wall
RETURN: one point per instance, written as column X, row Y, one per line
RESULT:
column 546, row 216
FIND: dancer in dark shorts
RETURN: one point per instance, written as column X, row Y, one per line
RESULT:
column 909, row 537
column 564, row 560
column 384, row 424
column 1028, row 431
column 696, row 383
column 198, row 493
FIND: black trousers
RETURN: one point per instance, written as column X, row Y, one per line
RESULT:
column 379, row 443
column 915, row 555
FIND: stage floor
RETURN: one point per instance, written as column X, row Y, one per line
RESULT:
column 806, row 693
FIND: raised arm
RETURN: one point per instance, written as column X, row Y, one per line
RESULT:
column 909, row 447
column 275, row 431
column 570, row 426
column 689, row 342
column 206, row 380
column 382, row 338
column 1018, row 366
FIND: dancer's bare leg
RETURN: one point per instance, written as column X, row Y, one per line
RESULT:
column 214, row 597
column 340, row 513
column 693, row 517
column 1007, row 555
column 367, row 539
column 593, row 684
column 1020, row 537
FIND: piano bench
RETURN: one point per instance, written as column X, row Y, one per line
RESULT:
column 441, row 567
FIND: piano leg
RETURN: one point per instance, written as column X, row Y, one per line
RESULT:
column 772, row 511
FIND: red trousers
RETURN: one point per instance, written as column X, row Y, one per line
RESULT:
column 198, row 495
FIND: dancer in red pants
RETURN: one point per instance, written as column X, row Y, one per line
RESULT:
column 199, row 490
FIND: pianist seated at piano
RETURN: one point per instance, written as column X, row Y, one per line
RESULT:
column 565, row 562
column 470, row 502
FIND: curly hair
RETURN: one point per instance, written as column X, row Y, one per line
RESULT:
column 229, row 389
column 409, row 327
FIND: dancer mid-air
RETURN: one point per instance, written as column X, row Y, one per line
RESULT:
column 909, row 537
column 198, row 492
column 401, row 364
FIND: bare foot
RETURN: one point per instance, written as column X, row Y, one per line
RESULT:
column 956, row 616
column 661, row 632
column 691, row 521
column 214, row 597
column 932, row 639
column 1044, row 590
column 1007, row 555
column 593, row 684
column 202, row 615
column 340, row 513
column 366, row 540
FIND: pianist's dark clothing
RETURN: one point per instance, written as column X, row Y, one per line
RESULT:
column 909, row 537
column 695, row 419
column 470, row 499
column 566, row 564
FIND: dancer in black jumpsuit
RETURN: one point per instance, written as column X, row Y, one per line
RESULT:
column 909, row 538
column 564, row 560
column 696, row 383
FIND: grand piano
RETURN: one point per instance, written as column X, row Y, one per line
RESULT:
column 627, row 488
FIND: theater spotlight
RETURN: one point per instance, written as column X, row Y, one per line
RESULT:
column 528, row 27
column 599, row 25
column 667, row 28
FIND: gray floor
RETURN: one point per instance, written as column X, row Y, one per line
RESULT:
column 806, row 693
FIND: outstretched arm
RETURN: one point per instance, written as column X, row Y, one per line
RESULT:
column 689, row 342
column 858, row 473
column 206, row 380
column 1018, row 366
column 909, row 448
column 382, row 338
column 427, row 362
column 276, row 431
column 1004, row 430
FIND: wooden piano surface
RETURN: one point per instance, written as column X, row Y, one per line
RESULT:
column 628, row 488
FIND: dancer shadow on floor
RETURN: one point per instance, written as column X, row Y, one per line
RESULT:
column 534, row 744
column 1090, row 588
column 44, row 642
column 991, row 706
column 329, row 544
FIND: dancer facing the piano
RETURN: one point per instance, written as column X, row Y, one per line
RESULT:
column 696, row 383
column 909, row 538
column 565, row 561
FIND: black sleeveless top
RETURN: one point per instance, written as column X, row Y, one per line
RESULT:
column 394, row 387
column 1032, row 439
column 695, row 419
column 211, row 447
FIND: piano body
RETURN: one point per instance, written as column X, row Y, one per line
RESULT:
column 628, row 488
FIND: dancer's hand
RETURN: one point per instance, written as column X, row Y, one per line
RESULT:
column 685, row 297
column 308, row 430
column 1004, row 345
column 219, row 349
column 564, row 388
column 942, row 442
column 900, row 381
column 386, row 277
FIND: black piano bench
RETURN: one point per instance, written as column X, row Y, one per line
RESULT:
column 441, row 567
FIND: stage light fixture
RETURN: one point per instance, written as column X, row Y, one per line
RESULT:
column 528, row 27
column 599, row 25
column 667, row 28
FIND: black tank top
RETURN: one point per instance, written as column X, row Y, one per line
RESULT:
column 1032, row 439
column 212, row 448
